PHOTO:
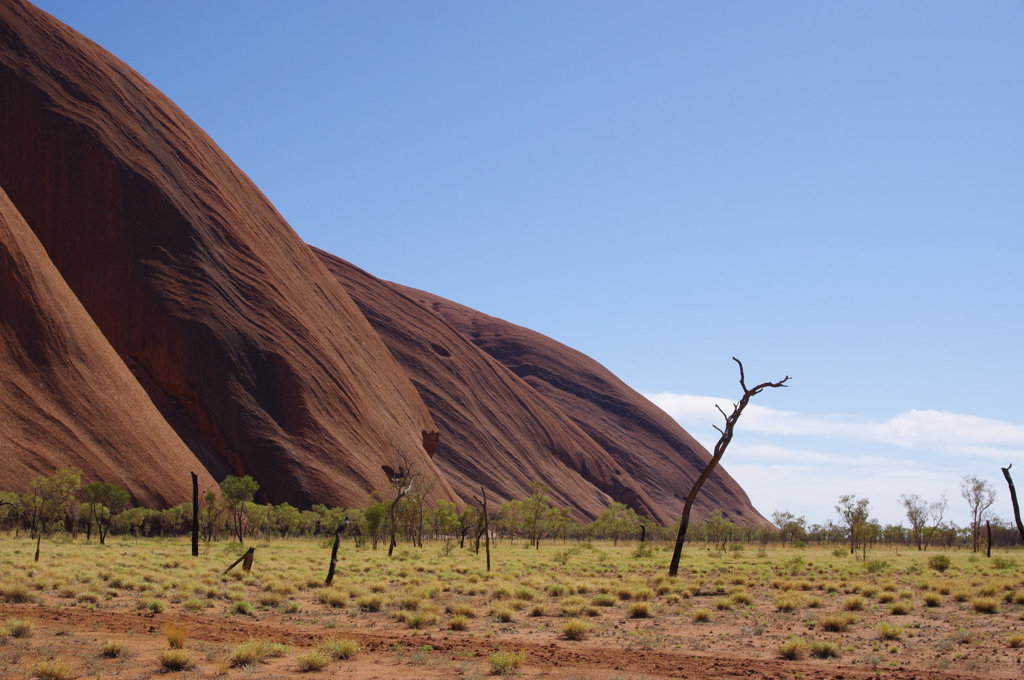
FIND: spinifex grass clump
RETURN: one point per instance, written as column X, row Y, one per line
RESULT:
column 825, row 650
column 254, row 651
column 312, row 661
column 575, row 629
column 793, row 649
column 340, row 648
column 113, row 649
column 52, row 669
column 175, row 659
column 506, row 662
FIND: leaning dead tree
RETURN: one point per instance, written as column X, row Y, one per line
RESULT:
column 723, row 442
column 1013, row 499
column 334, row 550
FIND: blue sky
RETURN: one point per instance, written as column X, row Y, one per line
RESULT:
column 826, row 190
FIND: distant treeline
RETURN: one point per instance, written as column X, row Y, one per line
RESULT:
column 61, row 503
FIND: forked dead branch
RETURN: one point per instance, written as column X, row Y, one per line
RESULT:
column 723, row 442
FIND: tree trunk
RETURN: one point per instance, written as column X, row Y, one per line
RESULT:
column 988, row 530
column 246, row 560
column 1013, row 499
column 723, row 442
column 487, row 530
column 334, row 556
column 195, row 515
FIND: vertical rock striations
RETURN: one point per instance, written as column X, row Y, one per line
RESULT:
column 250, row 349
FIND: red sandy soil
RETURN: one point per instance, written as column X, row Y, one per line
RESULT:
column 631, row 650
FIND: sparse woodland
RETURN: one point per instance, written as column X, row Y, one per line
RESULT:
column 562, row 595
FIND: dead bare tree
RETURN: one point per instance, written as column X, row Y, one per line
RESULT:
column 334, row 551
column 723, row 442
column 402, row 481
column 1013, row 499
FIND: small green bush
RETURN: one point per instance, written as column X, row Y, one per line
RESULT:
column 939, row 563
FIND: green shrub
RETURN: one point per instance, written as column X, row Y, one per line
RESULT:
column 939, row 563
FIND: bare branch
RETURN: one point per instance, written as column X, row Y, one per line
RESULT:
column 742, row 384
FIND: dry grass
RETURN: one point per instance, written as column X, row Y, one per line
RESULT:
column 175, row 659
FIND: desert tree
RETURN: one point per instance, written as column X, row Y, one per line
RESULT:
column 854, row 513
column 210, row 515
column 1013, row 500
column 791, row 527
column 615, row 521
column 723, row 443
column 536, row 512
column 105, row 500
column 237, row 493
column 374, row 517
column 467, row 520
column 924, row 518
column 718, row 530
column 980, row 496
column 50, row 499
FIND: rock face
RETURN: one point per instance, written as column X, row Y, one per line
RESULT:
column 251, row 350
column 66, row 398
column 513, row 405
column 652, row 450
column 496, row 431
column 159, row 315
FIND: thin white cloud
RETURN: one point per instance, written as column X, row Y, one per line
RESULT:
column 786, row 460
column 943, row 430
